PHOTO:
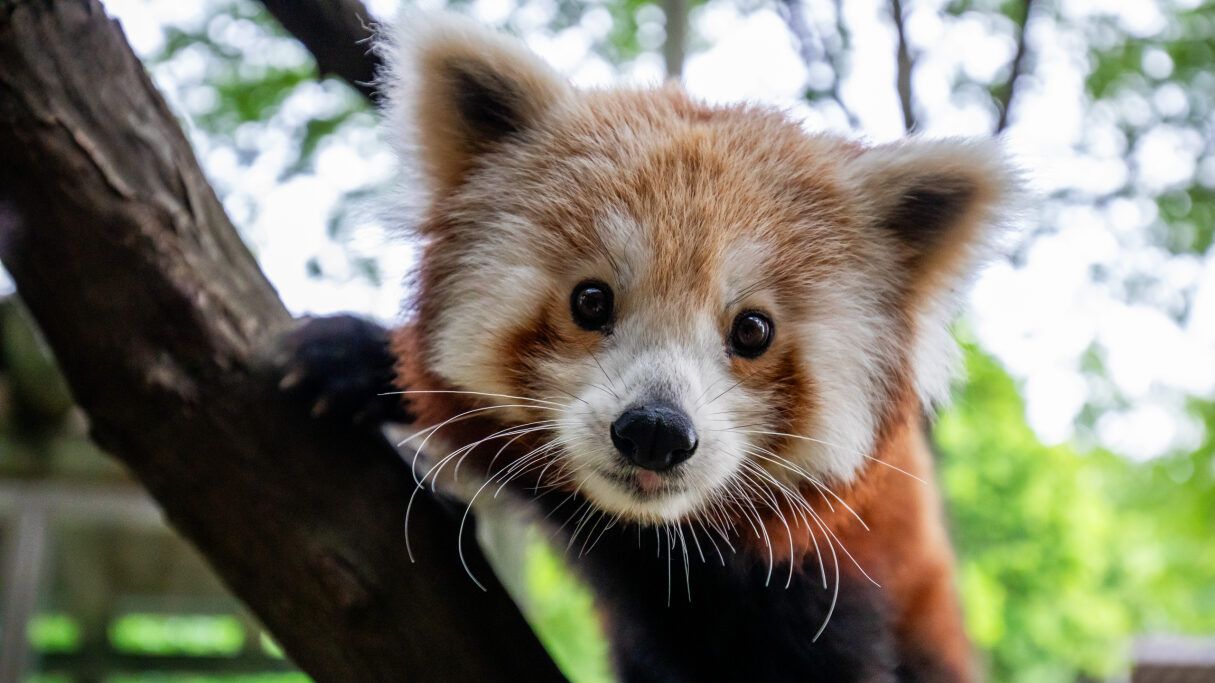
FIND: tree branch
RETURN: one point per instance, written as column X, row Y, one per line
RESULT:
column 905, row 66
column 1007, row 94
column 159, row 315
column 337, row 33
column 674, row 48
column 812, row 49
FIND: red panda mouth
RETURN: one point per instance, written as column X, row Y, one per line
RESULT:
column 640, row 482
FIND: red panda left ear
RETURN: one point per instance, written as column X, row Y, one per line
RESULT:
column 939, row 203
column 455, row 90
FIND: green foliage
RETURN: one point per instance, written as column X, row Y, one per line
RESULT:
column 561, row 610
column 1065, row 555
column 1162, row 82
column 192, row 634
column 181, row 678
column 252, row 68
column 54, row 633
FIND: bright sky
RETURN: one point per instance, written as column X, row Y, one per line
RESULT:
column 1039, row 316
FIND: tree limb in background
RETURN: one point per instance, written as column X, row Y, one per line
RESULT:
column 813, row 50
column 1007, row 93
column 337, row 33
column 905, row 65
column 675, row 46
column 159, row 317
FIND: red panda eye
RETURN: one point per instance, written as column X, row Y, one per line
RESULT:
column 591, row 305
column 751, row 334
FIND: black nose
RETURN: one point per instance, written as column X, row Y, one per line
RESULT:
column 656, row 436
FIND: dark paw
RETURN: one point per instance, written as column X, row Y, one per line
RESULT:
column 340, row 368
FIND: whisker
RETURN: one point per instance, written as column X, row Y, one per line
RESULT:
column 571, row 517
column 822, row 488
column 667, row 529
column 802, row 507
column 420, row 484
column 732, row 387
column 572, row 396
column 836, row 593
column 563, row 502
column 774, row 505
column 611, row 523
column 819, row 486
column 472, row 393
column 543, row 456
column 843, row 547
column 793, row 497
column 709, row 537
column 605, row 374
column 827, row 443
column 687, row 570
column 592, row 514
column 517, row 431
column 696, row 541
column 434, row 430
column 460, row 531
column 762, row 529
column 490, row 467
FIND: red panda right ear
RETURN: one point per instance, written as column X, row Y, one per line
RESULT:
column 939, row 202
column 455, row 90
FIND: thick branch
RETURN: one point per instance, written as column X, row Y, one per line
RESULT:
column 905, row 64
column 157, row 313
column 337, row 33
column 1007, row 94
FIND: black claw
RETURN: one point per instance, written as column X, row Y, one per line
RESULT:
column 341, row 368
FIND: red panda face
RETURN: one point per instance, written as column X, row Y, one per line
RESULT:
column 695, row 304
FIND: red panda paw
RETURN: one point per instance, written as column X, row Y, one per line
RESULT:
column 340, row 368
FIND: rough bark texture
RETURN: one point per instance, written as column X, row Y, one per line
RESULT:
column 158, row 315
column 337, row 33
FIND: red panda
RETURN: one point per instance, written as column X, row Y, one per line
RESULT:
column 705, row 340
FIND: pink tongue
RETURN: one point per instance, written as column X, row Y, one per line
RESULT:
column 648, row 481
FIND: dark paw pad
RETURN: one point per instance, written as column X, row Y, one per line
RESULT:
column 341, row 368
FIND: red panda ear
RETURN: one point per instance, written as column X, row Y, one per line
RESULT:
column 456, row 89
column 940, row 201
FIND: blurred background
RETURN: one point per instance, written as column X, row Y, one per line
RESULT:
column 1078, row 458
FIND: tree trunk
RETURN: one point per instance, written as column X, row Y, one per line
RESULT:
column 159, row 315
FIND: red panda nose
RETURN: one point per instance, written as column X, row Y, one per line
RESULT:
column 655, row 436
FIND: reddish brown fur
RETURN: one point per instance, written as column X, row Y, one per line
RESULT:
column 702, row 180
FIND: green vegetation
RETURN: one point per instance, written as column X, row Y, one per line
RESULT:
column 1066, row 555
column 192, row 678
column 560, row 608
column 188, row 634
column 50, row 633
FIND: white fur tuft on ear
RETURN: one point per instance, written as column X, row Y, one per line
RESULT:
column 943, row 205
column 453, row 89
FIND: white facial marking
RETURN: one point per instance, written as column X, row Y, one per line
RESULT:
column 647, row 362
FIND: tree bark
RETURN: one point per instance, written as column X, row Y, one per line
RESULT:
column 159, row 318
column 337, row 33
